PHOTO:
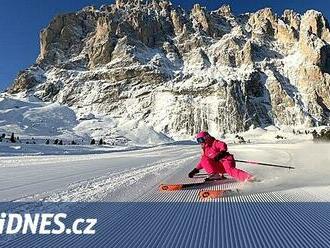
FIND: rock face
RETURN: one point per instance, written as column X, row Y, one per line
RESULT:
column 181, row 72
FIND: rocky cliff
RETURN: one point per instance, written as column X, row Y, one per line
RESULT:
column 181, row 71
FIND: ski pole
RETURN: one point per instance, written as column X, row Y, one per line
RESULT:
column 265, row 164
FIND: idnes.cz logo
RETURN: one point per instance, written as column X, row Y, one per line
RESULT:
column 44, row 223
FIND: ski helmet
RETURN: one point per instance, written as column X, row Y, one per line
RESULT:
column 202, row 136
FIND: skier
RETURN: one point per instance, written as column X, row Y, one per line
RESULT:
column 216, row 160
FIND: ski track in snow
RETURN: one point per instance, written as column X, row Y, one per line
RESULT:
column 95, row 177
column 97, row 189
column 179, row 223
column 163, row 160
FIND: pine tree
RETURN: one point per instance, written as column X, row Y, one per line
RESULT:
column 101, row 141
column 93, row 142
column 60, row 143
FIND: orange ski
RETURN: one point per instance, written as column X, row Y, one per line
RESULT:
column 170, row 187
column 173, row 187
column 211, row 194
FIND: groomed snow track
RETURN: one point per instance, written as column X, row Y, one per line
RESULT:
column 293, row 217
column 182, row 219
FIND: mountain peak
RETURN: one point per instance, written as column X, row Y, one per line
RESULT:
column 153, row 63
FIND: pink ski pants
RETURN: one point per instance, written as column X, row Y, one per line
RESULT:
column 226, row 165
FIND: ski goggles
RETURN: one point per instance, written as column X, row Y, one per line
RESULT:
column 200, row 140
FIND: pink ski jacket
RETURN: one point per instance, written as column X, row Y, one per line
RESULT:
column 210, row 150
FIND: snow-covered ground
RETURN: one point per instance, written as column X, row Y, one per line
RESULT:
column 175, row 219
column 129, row 175
column 28, row 117
column 124, row 179
column 35, row 121
column 135, row 158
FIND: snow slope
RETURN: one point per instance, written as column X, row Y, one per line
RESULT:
column 30, row 117
column 128, row 181
column 94, row 177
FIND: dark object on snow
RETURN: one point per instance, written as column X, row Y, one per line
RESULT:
column 3, row 135
column 240, row 139
column 323, row 136
column 56, row 142
column 214, row 178
column 315, row 134
column 279, row 137
column 73, row 142
column 93, row 142
column 180, row 186
column 47, row 142
column 101, row 142
column 60, row 142
column 12, row 138
column 193, row 173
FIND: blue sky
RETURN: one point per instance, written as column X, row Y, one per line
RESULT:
column 22, row 20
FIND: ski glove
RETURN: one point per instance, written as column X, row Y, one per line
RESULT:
column 221, row 155
column 193, row 173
